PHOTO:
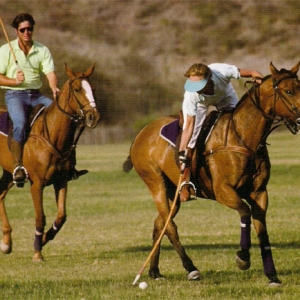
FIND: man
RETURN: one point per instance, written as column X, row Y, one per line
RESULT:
column 205, row 86
column 22, row 81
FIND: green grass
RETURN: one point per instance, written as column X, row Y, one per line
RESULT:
column 107, row 238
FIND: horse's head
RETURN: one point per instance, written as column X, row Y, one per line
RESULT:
column 80, row 97
column 287, row 87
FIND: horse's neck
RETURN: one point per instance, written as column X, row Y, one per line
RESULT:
column 58, row 128
column 251, row 119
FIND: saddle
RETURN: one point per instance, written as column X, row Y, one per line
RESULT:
column 171, row 132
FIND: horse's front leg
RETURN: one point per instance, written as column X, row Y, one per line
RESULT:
column 259, row 208
column 6, row 242
column 227, row 195
column 40, row 220
column 60, row 195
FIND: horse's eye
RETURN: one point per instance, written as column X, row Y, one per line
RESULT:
column 289, row 92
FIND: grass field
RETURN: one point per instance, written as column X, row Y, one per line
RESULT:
column 107, row 238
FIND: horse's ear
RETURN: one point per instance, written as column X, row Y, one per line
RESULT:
column 70, row 73
column 273, row 69
column 295, row 69
column 89, row 72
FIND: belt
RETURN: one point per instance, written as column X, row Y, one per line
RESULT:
column 26, row 91
column 32, row 91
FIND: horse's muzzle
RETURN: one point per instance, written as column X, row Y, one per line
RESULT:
column 92, row 118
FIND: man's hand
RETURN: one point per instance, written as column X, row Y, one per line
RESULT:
column 184, row 160
column 20, row 77
column 56, row 93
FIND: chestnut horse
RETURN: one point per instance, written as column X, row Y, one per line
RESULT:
column 231, row 166
column 47, row 155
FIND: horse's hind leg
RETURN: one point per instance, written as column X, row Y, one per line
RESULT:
column 163, row 207
column 5, row 184
column 172, row 234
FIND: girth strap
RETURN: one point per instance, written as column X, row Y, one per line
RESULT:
column 241, row 150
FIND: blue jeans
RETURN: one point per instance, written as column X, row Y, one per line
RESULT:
column 19, row 104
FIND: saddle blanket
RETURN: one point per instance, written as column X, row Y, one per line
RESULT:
column 170, row 132
column 4, row 123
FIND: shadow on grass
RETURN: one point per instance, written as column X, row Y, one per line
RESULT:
column 285, row 245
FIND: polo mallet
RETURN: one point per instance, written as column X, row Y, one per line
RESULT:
column 165, row 227
column 9, row 44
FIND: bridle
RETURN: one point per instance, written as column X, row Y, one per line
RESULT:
column 278, row 95
column 292, row 126
column 80, row 112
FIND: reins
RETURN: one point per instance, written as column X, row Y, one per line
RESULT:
column 277, row 96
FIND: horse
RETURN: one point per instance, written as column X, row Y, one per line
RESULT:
column 47, row 153
column 231, row 167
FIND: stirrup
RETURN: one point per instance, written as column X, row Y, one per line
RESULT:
column 192, row 197
column 20, row 183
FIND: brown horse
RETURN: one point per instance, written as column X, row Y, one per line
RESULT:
column 231, row 166
column 47, row 155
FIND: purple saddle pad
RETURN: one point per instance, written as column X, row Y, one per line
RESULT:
column 170, row 132
column 4, row 123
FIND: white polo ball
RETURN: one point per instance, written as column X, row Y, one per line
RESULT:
column 143, row 285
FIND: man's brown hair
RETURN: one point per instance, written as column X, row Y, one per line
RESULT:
column 198, row 70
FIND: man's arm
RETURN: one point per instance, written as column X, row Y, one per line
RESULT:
column 6, row 81
column 53, row 82
column 252, row 73
column 187, row 132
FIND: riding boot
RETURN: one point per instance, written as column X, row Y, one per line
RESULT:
column 20, row 174
column 187, row 188
column 73, row 173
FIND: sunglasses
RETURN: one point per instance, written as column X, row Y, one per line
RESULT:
column 29, row 29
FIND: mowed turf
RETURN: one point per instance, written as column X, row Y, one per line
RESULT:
column 107, row 237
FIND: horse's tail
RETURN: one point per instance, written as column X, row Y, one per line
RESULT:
column 127, row 164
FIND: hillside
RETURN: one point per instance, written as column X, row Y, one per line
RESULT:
column 142, row 48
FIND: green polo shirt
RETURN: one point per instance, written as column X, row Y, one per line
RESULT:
column 39, row 61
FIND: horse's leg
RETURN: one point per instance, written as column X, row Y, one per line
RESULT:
column 40, row 220
column 243, row 256
column 5, row 184
column 60, row 195
column 259, row 209
column 158, row 190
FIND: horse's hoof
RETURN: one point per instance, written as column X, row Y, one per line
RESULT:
column 38, row 257
column 6, row 249
column 274, row 281
column 275, row 284
column 155, row 274
column 194, row 275
column 160, row 278
column 243, row 260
